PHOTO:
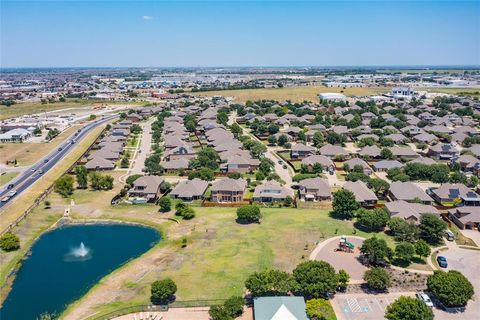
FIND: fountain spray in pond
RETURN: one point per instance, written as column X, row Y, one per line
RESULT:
column 80, row 253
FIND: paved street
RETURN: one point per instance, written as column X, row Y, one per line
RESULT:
column 144, row 148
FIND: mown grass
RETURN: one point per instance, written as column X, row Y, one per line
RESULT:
column 6, row 177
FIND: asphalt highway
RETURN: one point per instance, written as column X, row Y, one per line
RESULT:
column 28, row 177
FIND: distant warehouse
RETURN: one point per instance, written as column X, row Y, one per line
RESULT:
column 331, row 96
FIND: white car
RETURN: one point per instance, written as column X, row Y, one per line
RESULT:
column 12, row 193
column 426, row 299
column 5, row 199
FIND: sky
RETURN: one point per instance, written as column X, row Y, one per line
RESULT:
column 231, row 33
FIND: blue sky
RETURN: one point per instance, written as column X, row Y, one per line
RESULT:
column 229, row 33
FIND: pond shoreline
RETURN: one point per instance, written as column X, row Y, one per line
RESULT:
column 65, row 222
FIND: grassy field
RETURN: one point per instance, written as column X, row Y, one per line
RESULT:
column 310, row 93
column 21, row 109
column 29, row 153
column 295, row 94
column 6, row 177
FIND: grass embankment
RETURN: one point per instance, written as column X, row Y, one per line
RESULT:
column 29, row 153
column 472, row 92
column 6, row 177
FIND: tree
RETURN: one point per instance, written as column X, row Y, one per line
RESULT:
column 452, row 288
column 202, row 174
column 402, row 230
column 270, row 282
column 282, row 140
column 131, row 179
column 165, row 204
column 162, row 291
column 272, row 140
column 408, row 308
column 249, row 214
column 9, row 242
column 320, row 309
column 236, row 130
column 207, row 158
column 432, row 228
column 379, row 186
column 37, row 131
column 344, row 204
column 386, row 153
column 343, row 278
column 219, row 312
column 82, row 177
column 152, row 164
column 135, row 128
column 124, row 163
column 64, row 185
column 375, row 251
column 405, row 251
column 314, row 279
column 318, row 139
column 377, row 278
column 100, row 181
column 372, row 220
column 422, row 248
column 184, row 210
column 234, row 306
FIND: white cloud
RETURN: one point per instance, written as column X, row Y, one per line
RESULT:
column 147, row 17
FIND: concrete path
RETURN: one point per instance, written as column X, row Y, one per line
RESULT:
column 144, row 148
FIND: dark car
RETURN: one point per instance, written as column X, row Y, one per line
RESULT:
column 59, row 149
column 442, row 261
column 10, row 186
column 46, row 160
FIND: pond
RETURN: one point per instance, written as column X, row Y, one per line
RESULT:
column 66, row 262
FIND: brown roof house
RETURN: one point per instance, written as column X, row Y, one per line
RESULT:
column 237, row 163
column 409, row 192
column 100, row 164
column 181, row 152
column 271, row 191
column 189, row 190
column 228, row 190
column 370, row 152
column 175, row 165
column 314, row 189
column 409, row 211
column 364, row 196
column 145, row 189
column 465, row 217
column 444, row 151
column 332, row 151
column 359, row 162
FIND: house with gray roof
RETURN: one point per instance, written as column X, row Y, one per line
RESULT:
column 189, row 190
column 358, row 162
column 332, row 151
column 314, row 189
column 409, row 192
column 99, row 164
column 385, row 165
column 326, row 163
column 448, row 192
column 300, row 151
column 279, row 308
column 443, row 151
column 271, row 191
column 363, row 195
column 370, row 152
column 465, row 217
column 175, row 165
column 409, row 211
column 146, row 188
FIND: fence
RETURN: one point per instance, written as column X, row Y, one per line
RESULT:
column 160, row 308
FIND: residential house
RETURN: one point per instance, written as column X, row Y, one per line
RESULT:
column 314, row 189
column 385, row 165
column 409, row 211
column 370, row 152
column 189, row 190
column 333, row 151
column 300, row 151
column 363, row 195
column 228, row 190
column 408, row 191
column 279, row 308
column 99, row 164
column 146, row 189
column 465, row 217
column 271, row 191
column 358, row 162
column 449, row 194
column 443, row 151
column 326, row 163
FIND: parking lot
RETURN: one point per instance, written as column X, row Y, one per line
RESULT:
column 363, row 306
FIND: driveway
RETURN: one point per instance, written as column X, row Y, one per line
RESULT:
column 472, row 234
column 467, row 262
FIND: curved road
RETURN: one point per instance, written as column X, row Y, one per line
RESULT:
column 28, row 177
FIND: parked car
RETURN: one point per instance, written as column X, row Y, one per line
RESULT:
column 450, row 236
column 442, row 261
column 425, row 298
column 285, row 166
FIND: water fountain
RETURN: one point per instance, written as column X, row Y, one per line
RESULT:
column 80, row 253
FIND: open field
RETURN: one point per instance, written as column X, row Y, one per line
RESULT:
column 29, row 153
column 6, row 177
column 295, row 94
column 310, row 93
column 21, row 109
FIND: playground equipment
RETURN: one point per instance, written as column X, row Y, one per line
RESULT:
column 344, row 245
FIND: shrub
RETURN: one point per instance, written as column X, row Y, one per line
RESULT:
column 249, row 214
column 64, row 186
column 269, row 282
column 377, row 278
column 165, row 204
column 9, row 242
column 320, row 309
